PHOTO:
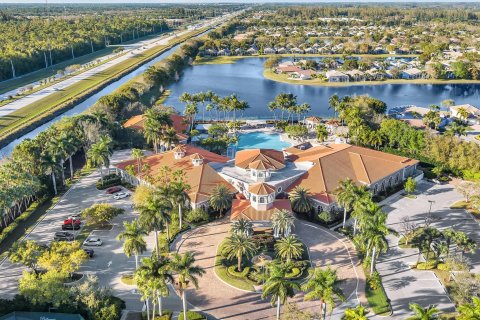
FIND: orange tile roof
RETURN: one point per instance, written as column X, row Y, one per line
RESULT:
column 337, row 162
column 260, row 165
column 178, row 123
column 314, row 119
column 201, row 179
column 261, row 188
column 270, row 157
column 242, row 209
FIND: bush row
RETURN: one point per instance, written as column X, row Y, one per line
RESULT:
column 108, row 181
column 24, row 216
column 232, row 270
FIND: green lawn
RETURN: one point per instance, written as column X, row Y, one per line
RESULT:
column 222, row 273
column 48, row 106
column 378, row 301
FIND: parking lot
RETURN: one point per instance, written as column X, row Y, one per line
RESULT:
column 403, row 284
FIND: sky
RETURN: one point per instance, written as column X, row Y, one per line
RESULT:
column 221, row 1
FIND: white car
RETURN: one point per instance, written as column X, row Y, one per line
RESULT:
column 74, row 217
column 92, row 242
column 120, row 195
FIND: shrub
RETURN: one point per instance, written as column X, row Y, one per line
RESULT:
column 294, row 273
column 196, row 215
column 426, row 265
column 263, row 239
column 15, row 223
column 325, row 217
column 374, row 280
column 108, row 181
column 443, row 267
column 192, row 315
column 232, row 270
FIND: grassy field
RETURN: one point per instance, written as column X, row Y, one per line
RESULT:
column 29, row 78
column 216, row 60
column 378, row 301
column 319, row 82
column 47, row 107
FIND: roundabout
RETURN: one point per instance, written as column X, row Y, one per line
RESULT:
column 226, row 301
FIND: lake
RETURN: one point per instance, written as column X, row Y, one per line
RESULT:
column 245, row 78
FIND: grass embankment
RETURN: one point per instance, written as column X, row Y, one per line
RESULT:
column 216, row 60
column 269, row 74
column 12, row 84
column 41, row 111
column 46, row 85
column 462, row 204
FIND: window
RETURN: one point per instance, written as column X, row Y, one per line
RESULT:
column 254, row 199
column 261, row 199
column 279, row 189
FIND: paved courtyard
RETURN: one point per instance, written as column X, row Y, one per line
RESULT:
column 222, row 301
column 402, row 284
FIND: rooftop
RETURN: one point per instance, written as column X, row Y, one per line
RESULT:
column 241, row 209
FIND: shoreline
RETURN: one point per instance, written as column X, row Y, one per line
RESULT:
column 270, row 75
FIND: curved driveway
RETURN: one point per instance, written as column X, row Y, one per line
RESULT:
column 225, row 302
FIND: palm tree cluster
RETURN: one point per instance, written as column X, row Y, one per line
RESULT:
column 430, row 240
column 46, row 41
column 42, row 162
column 158, row 129
column 212, row 103
column 370, row 228
column 155, row 275
column 287, row 103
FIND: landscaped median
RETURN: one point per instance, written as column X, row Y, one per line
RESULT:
column 29, row 117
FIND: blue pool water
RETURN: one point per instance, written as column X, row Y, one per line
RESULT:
column 261, row 140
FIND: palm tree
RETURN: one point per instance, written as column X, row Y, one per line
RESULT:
column 242, row 227
column 50, row 165
column 358, row 313
column 462, row 114
column 179, row 197
column 187, row 273
column 301, row 200
column 282, row 223
column 137, row 154
column 323, row 285
column 289, row 248
column 321, row 132
column 346, row 196
column 238, row 246
column 152, row 279
column 152, row 215
column 333, row 103
column 169, row 138
column 134, row 243
column 101, row 152
column 470, row 311
column 220, row 198
column 429, row 313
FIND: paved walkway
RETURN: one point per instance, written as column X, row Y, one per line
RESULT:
column 402, row 284
column 225, row 302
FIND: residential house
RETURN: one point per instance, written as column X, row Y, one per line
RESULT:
column 181, row 124
column 312, row 122
column 356, row 75
column 413, row 73
column 473, row 113
column 303, row 74
column 336, row 76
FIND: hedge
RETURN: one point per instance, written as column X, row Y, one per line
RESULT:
column 234, row 273
column 192, row 315
column 15, row 223
column 108, row 181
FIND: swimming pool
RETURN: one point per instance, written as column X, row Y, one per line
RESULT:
column 261, row 140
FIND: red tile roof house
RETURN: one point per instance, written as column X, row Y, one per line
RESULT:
column 262, row 174
column 179, row 123
column 196, row 164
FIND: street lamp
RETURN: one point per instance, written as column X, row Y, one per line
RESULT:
column 427, row 219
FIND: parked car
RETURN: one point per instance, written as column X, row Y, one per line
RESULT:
column 72, row 221
column 63, row 236
column 75, row 216
column 93, row 242
column 113, row 190
column 70, row 226
column 121, row 195
column 90, row 252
